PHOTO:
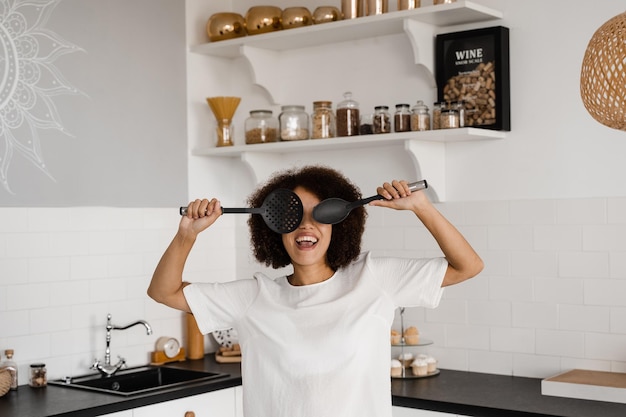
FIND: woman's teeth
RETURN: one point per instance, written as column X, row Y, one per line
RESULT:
column 306, row 241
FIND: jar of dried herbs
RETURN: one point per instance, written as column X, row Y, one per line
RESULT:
column 322, row 120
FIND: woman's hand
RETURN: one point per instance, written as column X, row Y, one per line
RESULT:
column 398, row 196
column 200, row 215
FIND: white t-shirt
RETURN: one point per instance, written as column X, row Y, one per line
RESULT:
column 318, row 350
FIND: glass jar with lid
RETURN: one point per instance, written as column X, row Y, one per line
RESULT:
column 294, row 123
column 382, row 121
column 348, row 116
column 460, row 108
column 449, row 118
column 322, row 120
column 38, row 375
column 261, row 127
column 402, row 118
column 437, row 114
column 420, row 119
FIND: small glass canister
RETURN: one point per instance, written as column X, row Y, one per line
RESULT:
column 420, row 119
column 382, row 120
column 367, row 124
column 294, row 123
column 443, row 1
column 38, row 375
column 437, row 114
column 348, row 116
column 449, row 118
column 261, row 127
column 322, row 120
column 402, row 118
column 460, row 107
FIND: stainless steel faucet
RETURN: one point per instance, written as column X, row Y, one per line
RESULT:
column 107, row 369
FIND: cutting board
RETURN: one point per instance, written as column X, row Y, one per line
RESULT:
column 588, row 385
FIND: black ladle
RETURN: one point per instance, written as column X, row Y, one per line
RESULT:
column 281, row 210
column 335, row 210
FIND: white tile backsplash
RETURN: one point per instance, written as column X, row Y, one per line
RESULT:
column 551, row 296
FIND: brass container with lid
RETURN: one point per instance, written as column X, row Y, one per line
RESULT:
column 263, row 19
column 325, row 14
column 296, row 17
column 221, row 26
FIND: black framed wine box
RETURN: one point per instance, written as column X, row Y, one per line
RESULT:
column 473, row 66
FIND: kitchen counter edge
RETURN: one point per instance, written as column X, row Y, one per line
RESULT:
column 456, row 392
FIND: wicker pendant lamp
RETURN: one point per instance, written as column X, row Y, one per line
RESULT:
column 603, row 74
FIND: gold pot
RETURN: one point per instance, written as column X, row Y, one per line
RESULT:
column 325, row 14
column 262, row 19
column 222, row 26
column 295, row 17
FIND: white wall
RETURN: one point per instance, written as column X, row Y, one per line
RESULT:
column 547, row 217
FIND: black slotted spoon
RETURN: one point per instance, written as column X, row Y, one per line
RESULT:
column 281, row 210
column 335, row 210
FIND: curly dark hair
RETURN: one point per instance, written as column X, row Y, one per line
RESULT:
column 324, row 182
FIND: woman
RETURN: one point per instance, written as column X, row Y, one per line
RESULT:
column 315, row 343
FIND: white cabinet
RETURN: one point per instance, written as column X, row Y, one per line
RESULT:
column 219, row 403
column 266, row 52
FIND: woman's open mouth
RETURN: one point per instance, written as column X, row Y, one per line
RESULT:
column 306, row 241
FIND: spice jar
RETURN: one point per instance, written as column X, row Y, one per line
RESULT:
column 261, row 127
column 443, row 1
column 322, row 120
column 402, row 118
column 382, row 121
column 449, row 118
column 38, row 376
column 420, row 119
column 460, row 107
column 366, row 127
column 437, row 115
column 294, row 123
column 348, row 116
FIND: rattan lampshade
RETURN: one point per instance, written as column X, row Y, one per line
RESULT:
column 603, row 74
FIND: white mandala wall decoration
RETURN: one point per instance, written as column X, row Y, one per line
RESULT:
column 28, row 81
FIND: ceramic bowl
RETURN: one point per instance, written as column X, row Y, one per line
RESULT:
column 296, row 17
column 263, row 19
column 222, row 26
column 325, row 14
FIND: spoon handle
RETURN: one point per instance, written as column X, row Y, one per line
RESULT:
column 414, row 186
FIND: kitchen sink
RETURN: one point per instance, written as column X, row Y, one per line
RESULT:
column 138, row 380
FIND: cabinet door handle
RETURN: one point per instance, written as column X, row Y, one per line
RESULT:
column 190, row 414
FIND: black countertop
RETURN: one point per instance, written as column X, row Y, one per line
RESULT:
column 488, row 395
column 465, row 393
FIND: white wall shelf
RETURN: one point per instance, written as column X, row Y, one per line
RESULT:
column 427, row 150
column 264, row 52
